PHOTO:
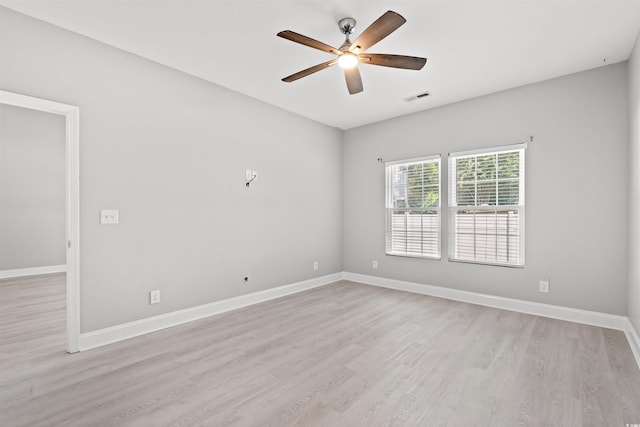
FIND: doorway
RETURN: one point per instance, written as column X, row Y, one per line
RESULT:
column 72, row 215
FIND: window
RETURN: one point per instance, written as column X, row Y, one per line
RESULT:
column 413, row 207
column 486, row 206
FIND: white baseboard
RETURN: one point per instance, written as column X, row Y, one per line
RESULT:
column 634, row 340
column 117, row 333
column 34, row 271
column 593, row 318
column 124, row 331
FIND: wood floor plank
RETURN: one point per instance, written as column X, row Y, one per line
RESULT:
column 621, row 362
column 340, row 355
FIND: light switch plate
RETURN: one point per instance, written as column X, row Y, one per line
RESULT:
column 108, row 216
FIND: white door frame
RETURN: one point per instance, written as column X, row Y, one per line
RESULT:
column 72, row 117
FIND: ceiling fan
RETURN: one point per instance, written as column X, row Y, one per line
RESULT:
column 350, row 54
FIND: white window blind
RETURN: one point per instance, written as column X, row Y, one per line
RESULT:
column 413, row 207
column 486, row 206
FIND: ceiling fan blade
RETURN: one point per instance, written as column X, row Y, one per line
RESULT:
column 310, row 70
column 308, row 41
column 354, row 81
column 381, row 28
column 395, row 61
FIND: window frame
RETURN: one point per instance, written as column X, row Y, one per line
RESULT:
column 453, row 207
column 389, row 205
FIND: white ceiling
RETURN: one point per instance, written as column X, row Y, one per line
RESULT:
column 473, row 47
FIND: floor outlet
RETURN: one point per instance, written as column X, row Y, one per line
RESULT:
column 154, row 297
column 315, row 265
column 544, row 286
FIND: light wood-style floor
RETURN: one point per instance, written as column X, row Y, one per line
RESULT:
column 340, row 355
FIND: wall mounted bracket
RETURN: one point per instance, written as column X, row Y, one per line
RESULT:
column 250, row 176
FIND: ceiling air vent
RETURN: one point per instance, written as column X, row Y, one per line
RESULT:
column 418, row 96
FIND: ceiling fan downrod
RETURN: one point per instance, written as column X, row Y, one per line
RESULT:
column 346, row 26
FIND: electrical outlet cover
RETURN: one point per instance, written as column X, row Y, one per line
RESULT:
column 154, row 297
column 544, row 286
column 108, row 216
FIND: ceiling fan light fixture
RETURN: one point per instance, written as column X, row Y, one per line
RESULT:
column 347, row 60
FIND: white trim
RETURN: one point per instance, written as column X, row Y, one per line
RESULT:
column 594, row 318
column 124, row 331
column 33, row 271
column 72, row 120
column 493, row 264
column 586, row 317
column 499, row 149
column 634, row 340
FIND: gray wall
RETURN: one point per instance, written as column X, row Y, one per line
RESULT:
column 633, row 305
column 170, row 152
column 32, row 188
column 576, row 188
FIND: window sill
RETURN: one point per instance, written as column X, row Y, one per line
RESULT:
column 493, row 264
column 403, row 255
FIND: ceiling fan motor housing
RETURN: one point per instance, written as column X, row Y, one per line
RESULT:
column 347, row 25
